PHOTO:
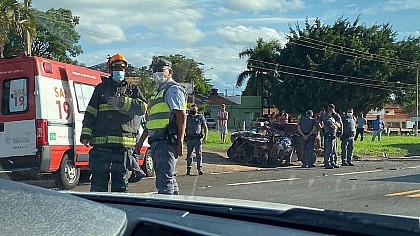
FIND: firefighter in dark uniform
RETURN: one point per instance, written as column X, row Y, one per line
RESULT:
column 165, row 126
column 110, row 126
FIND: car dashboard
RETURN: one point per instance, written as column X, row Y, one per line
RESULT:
column 30, row 210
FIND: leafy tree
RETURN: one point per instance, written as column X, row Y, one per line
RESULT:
column 365, row 52
column 261, row 80
column 56, row 37
column 15, row 19
column 146, row 84
column 187, row 70
column 408, row 50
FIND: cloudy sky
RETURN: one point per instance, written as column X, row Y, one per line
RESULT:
column 213, row 31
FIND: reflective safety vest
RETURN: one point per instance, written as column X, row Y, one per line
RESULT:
column 160, row 112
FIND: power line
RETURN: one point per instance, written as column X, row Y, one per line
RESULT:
column 327, row 79
column 350, row 54
column 361, row 54
column 155, row 45
column 355, row 50
column 326, row 73
column 141, row 42
column 349, row 51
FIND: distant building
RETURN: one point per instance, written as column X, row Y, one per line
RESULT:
column 395, row 118
column 242, row 109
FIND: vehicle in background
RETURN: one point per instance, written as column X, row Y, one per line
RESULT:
column 211, row 123
column 257, row 121
column 42, row 107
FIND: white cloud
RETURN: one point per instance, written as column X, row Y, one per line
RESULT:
column 101, row 33
column 175, row 20
column 273, row 20
column 263, row 5
column 415, row 33
column 242, row 34
column 396, row 5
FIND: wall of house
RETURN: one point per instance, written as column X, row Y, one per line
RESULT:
column 249, row 109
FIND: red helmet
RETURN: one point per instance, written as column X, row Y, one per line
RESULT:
column 117, row 60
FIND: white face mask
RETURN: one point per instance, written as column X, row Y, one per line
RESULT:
column 349, row 114
column 159, row 77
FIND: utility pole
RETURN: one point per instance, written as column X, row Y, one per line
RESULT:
column 193, row 99
column 417, row 101
column 27, row 36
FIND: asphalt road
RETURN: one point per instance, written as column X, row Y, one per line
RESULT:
column 386, row 186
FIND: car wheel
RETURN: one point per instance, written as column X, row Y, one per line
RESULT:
column 148, row 164
column 68, row 175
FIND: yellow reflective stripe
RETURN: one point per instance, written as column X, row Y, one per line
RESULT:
column 157, row 124
column 126, row 141
column 92, row 111
column 161, row 107
column 106, row 107
column 87, row 131
column 127, row 104
column 98, row 140
column 160, row 94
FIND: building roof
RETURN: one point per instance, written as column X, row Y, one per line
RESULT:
column 390, row 112
column 199, row 99
column 219, row 100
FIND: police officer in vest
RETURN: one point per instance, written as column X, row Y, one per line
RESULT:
column 110, row 126
column 307, row 127
column 165, row 126
column 196, row 124
column 339, row 124
column 347, row 138
column 330, row 139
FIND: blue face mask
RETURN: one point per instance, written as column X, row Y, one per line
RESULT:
column 118, row 75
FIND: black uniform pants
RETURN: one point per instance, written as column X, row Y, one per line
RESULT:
column 104, row 161
column 360, row 131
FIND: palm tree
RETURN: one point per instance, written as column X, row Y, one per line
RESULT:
column 260, row 69
column 14, row 16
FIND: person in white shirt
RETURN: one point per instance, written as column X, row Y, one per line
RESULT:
column 222, row 117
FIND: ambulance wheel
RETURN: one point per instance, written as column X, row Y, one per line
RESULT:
column 68, row 175
column 148, row 164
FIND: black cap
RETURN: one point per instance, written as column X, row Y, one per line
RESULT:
column 158, row 63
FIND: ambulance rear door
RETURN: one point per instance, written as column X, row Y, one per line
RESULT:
column 17, row 112
column 83, row 82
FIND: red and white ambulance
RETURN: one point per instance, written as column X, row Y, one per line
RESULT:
column 41, row 111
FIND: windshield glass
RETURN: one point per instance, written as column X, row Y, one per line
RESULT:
column 307, row 103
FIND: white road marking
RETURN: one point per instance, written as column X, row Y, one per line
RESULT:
column 263, row 181
column 153, row 177
column 279, row 167
column 150, row 192
column 413, row 167
column 219, row 173
column 358, row 172
column 403, row 193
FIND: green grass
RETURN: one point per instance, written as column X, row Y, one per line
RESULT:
column 214, row 142
column 392, row 145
